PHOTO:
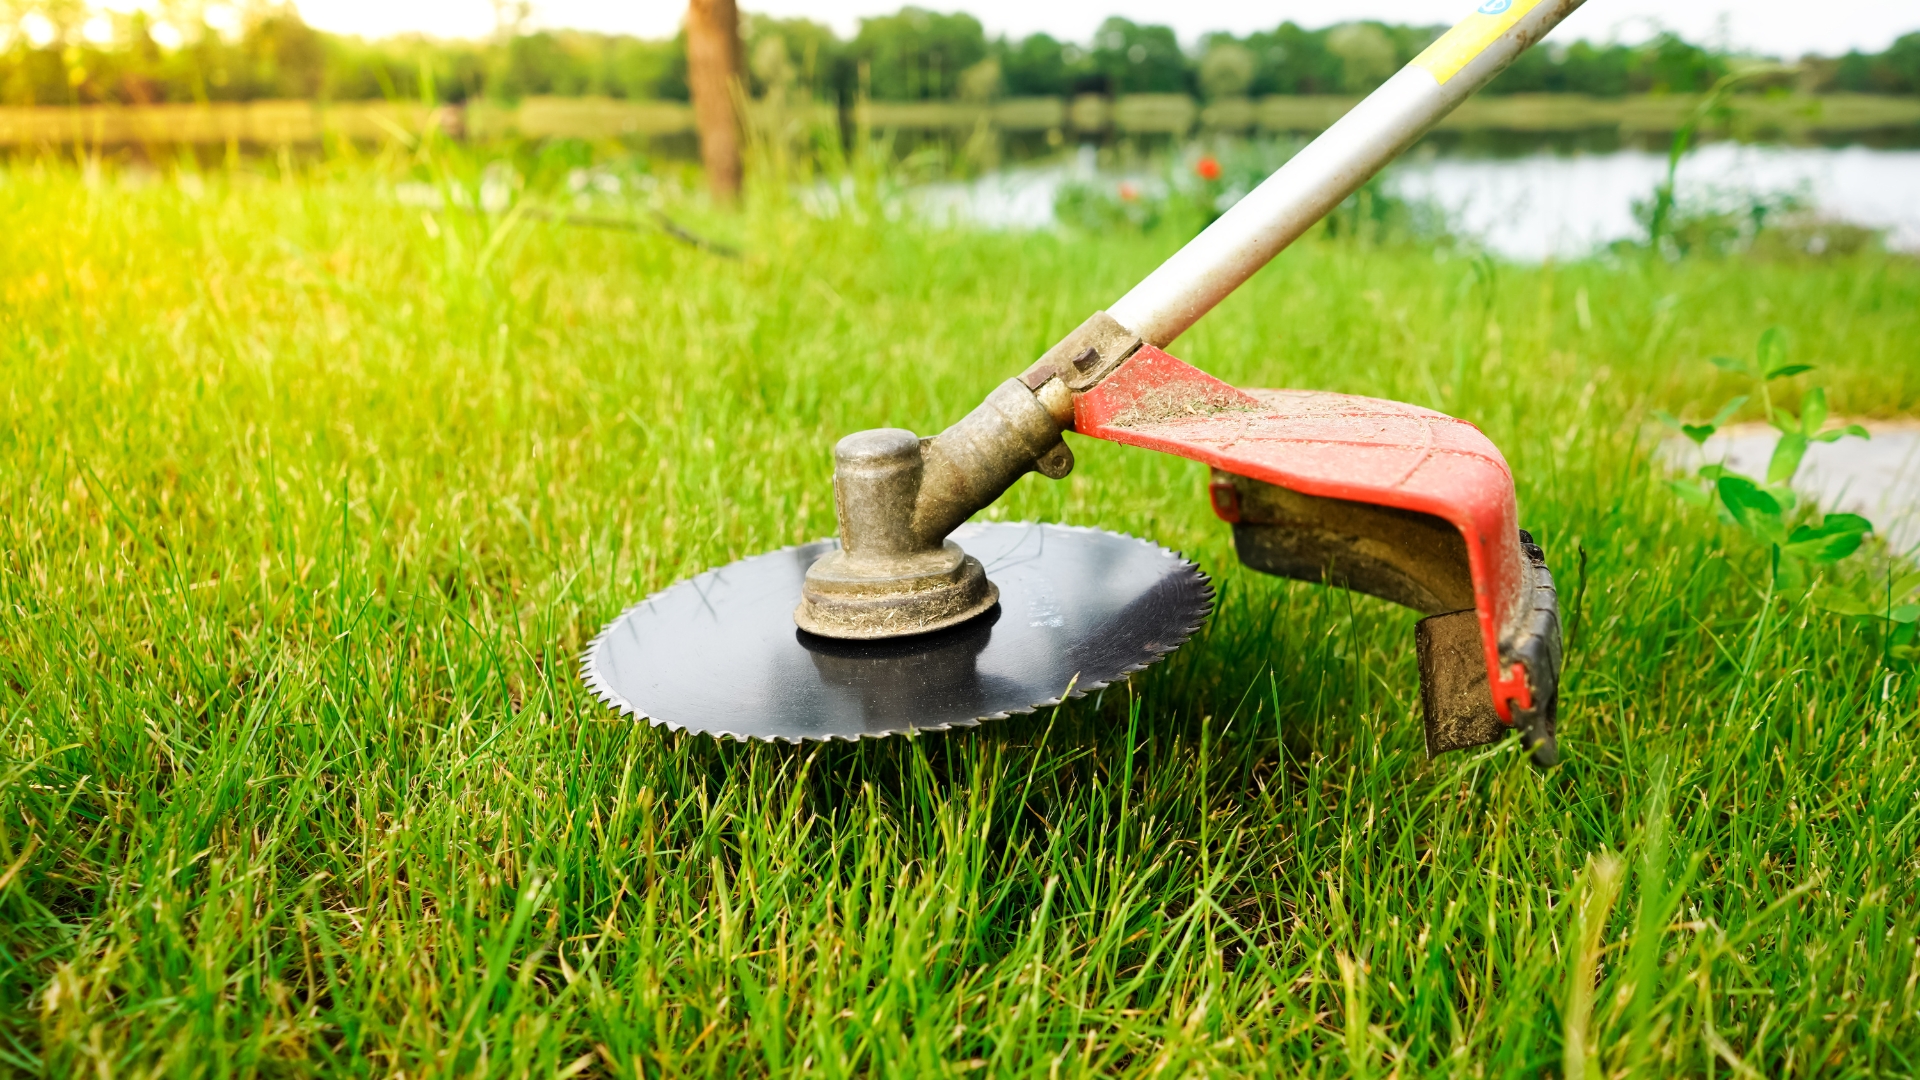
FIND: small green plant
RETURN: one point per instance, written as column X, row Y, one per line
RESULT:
column 1769, row 509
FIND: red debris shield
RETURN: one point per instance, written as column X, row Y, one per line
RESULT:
column 1338, row 446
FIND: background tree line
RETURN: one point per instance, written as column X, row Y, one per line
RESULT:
column 62, row 53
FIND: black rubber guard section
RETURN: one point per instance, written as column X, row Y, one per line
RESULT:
column 1456, row 703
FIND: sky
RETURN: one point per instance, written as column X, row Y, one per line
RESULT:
column 1772, row 27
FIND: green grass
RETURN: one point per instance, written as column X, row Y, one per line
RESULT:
column 307, row 504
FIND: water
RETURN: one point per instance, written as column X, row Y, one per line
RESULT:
column 1877, row 478
column 1010, row 199
column 1542, row 205
column 1016, row 198
column 1550, row 205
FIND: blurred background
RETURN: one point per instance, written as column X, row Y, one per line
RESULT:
column 1755, row 125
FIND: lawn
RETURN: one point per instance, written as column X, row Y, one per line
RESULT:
column 310, row 498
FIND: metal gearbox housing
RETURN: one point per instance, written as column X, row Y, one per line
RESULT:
column 898, row 496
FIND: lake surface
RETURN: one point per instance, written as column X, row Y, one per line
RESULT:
column 1549, row 205
column 1544, row 205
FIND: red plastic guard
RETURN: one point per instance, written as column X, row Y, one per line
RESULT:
column 1338, row 446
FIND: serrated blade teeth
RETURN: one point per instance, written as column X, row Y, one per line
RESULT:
column 719, row 654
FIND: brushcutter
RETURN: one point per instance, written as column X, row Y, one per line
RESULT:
column 915, row 619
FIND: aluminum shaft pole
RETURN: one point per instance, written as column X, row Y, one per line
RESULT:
column 1333, row 166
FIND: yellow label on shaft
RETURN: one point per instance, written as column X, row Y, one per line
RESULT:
column 1458, row 46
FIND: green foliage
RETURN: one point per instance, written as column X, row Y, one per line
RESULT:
column 1670, row 65
column 309, row 498
column 1607, row 71
column 405, row 69
column 1226, row 70
column 1896, row 71
column 276, row 55
column 816, row 61
column 915, row 54
column 1035, row 66
column 1291, row 60
column 1129, row 58
column 570, row 63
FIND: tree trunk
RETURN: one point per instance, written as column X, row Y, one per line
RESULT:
column 714, row 76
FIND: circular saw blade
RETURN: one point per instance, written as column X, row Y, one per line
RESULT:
column 719, row 653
